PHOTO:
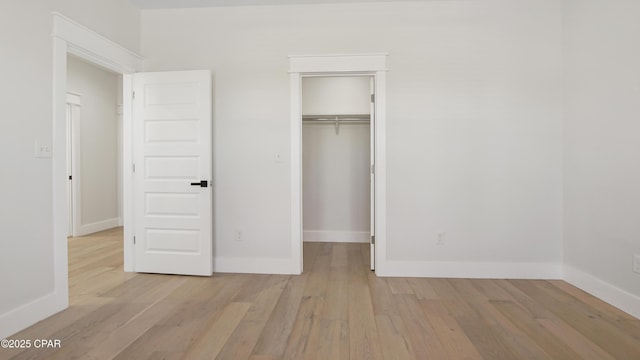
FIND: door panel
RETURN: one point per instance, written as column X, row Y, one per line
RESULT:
column 172, row 151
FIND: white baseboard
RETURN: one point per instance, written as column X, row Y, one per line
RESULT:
column 471, row 270
column 336, row 236
column 255, row 266
column 30, row 313
column 606, row 292
column 86, row 229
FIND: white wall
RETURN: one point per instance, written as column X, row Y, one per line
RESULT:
column 118, row 20
column 474, row 112
column 602, row 148
column 346, row 95
column 335, row 167
column 98, row 144
column 26, row 226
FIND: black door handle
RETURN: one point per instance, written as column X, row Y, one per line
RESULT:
column 202, row 183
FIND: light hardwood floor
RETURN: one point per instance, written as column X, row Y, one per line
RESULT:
column 337, row 309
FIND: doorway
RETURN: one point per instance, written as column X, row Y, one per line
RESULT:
column 373, row 66
column 338, row 159
column 71, row 38
column 94, row 97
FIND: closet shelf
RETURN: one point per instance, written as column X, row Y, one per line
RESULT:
column 336, row 120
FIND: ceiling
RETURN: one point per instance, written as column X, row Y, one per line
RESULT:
column 166, row 4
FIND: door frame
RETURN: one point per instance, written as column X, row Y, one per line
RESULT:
column 338, row 65
column 70, row 37
column 74, row 111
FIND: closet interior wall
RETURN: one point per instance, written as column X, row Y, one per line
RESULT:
column 336, row 182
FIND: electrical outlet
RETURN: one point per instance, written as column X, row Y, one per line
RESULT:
column 440, row 238
column 43, row 149
column 636, row 263
column 238, row 235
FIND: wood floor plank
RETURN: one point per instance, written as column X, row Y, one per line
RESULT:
column 198, row 302
column 552, row 345
column 338, row 309
column 419, row 333
column 273, row 340
column 592, row 301
column 586, row 320
column 399, row 286
column 214, row 338
column 393, row 341
column 308, row 313
column 381, row 296
column 242, row 341
column 575, row 340
column 449, row 333
column 487, row 340
column 422, row 289
column 339, row 256
column 363, row 334
column 519, row 343
column 480, row 293
column 337, row 295
column 118, row 340
column 328, row 339
column 604, row 311
column 319, row 276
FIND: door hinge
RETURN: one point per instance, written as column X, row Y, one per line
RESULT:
column 373, row 239
column 373, row 98
column 134, row 167
column 373, row 168
column 133, row 95
column 134, row 240
column 70, row 177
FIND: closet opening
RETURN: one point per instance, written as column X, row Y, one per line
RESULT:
column 338, row 165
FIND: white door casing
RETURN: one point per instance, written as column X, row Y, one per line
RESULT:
column 331, row 65
column 69, row 170
column 372, row 174
column 74, row 202
column 172, row 155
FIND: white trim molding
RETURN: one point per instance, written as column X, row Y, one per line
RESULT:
column 336, row 236
column 472, row 270
column 74, row 98
column 86, row 229
column 126, row 169
column 281, row 266
column 29, row 314
column 87, row 44
column 604, row 291
column 336, row 65
column 74, row 106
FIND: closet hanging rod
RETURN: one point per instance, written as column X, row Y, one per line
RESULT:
column 341, row 118
column 336, row 120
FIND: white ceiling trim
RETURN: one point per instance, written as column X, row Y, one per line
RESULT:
column 170, row 4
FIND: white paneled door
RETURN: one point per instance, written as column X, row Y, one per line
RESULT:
column 172, row 173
